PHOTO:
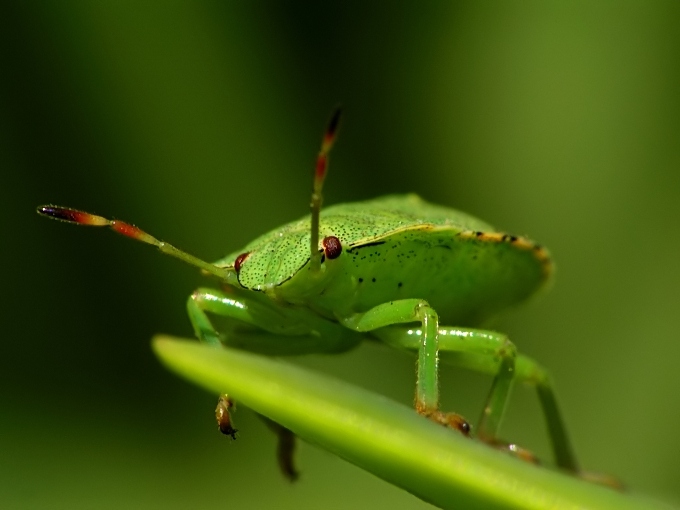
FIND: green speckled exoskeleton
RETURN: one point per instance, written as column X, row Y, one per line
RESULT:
column 416, row 276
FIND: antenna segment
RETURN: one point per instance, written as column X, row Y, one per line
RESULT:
column 126, row 229
column 319, row 176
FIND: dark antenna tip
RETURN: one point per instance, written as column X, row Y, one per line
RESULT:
column 71, row 215
column 335, row 121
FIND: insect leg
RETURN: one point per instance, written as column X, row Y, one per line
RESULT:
column 203, row 328
column 285, row 451
column 286, row 444
column 427, row 386
column 492, row 353
column 262, row 326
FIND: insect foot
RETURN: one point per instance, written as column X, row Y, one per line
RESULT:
column 450, row 420
column 224, row 417
column 603, row 479
column 515, row 450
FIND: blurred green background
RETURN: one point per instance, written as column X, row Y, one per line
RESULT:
column 200, row 123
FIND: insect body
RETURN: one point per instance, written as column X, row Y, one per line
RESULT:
column 393, row 248
column 396, row 269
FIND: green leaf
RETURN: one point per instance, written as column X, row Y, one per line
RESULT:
column 383, row 437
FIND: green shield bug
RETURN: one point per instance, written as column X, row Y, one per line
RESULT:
column 395, row 268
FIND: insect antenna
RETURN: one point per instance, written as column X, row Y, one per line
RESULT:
column 85, row 218
column 319, row 176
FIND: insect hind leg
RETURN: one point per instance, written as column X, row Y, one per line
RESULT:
column 494, row 354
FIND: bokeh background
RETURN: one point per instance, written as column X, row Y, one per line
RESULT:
column 199, row 121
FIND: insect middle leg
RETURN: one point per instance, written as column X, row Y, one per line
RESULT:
column 494, row 354
column 427, row 385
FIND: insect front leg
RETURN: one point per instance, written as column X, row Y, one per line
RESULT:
column 263, row 326
column 494, row 354
column 427, row 386
column 259, row 324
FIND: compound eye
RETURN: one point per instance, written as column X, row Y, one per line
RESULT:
column 332, row 248
column 240, row 260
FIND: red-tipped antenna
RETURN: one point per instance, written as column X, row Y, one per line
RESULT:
column 319, row 176
column 85, row 218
